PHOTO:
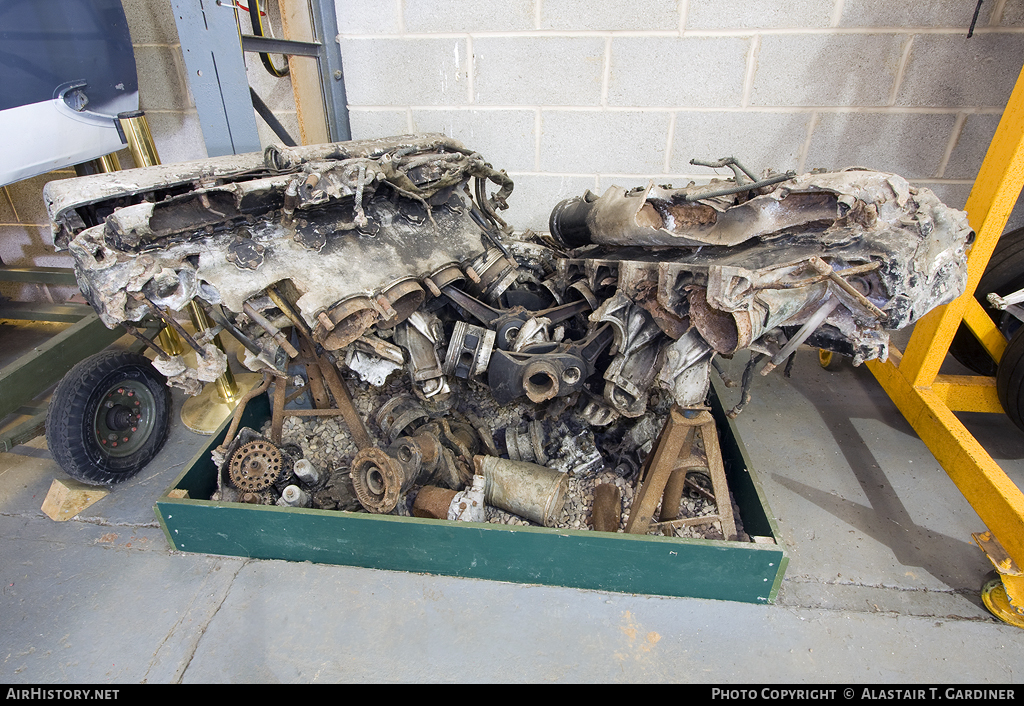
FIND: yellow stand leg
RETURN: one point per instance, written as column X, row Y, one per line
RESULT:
column 928, row 399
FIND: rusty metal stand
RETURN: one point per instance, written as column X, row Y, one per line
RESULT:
column 673, row 453
column 323, row 376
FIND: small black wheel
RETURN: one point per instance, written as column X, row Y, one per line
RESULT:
column 1003, row 275
column 1010, row 379
column 108, row 417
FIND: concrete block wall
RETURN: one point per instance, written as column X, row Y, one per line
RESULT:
column 568, row 95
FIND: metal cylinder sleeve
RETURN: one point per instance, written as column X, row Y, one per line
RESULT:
column 294, row 496
column 525, row 489
column 494, row 274
column 398, row 414
column 527, row 445
column 450, row 274
column 403, row 298
column 469, row 350
column 344, row 322
column 378, row 480
column 568, row 221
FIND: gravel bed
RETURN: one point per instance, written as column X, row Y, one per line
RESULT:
column 570, row 444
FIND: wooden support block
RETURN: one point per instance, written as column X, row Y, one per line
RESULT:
column 180, row 493
column 66, row 498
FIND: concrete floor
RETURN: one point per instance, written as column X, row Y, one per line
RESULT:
column 882, row 584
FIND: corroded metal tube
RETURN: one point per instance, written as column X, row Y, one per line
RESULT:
column 607, row 512
column 525, row 489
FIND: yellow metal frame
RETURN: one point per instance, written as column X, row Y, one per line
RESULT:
column 928, row 399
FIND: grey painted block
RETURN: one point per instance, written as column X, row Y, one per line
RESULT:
column 971, row 146
column 953, row 71
column 377, row 123
column 826, row 70
column 468, row 15
column 538, row 70
column 367, row 16
column 911, row 145
column 178, row 136
column 760, row 140
column 587, row 15
column 677, row 71
column 535, row 195
column 506, row 138
column 937, row 13
column 615, row 142
column 150, row 21
column 162, row 84
column 743, row 14
column 405, row 71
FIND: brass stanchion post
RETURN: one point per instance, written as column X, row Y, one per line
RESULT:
column 140, row 143
column 205, row 412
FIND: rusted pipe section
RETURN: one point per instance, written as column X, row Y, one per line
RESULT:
column 607, row 511
column 275, row 332
column 289, row 311
column 349, row 413
column 433, row 502
column 170, row 321
column 236, row 419
column 809, row 327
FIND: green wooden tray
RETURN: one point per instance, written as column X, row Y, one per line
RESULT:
column 737, row 571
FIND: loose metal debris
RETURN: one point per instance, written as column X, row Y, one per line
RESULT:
column 537, row 370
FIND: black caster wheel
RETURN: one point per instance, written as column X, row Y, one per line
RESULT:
column 108, row 417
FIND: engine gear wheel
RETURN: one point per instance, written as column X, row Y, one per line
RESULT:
column 255, row 466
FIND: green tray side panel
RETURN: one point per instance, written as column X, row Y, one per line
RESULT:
column 609, row 562
column 642, row 564
column 744, row 484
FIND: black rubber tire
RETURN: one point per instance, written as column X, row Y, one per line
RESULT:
column 74, row 425
column 1010, row 379
column 1003, row 275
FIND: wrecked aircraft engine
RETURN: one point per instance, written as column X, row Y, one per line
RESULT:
column 389, row 254
column 831, row 259
column 243, row 233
